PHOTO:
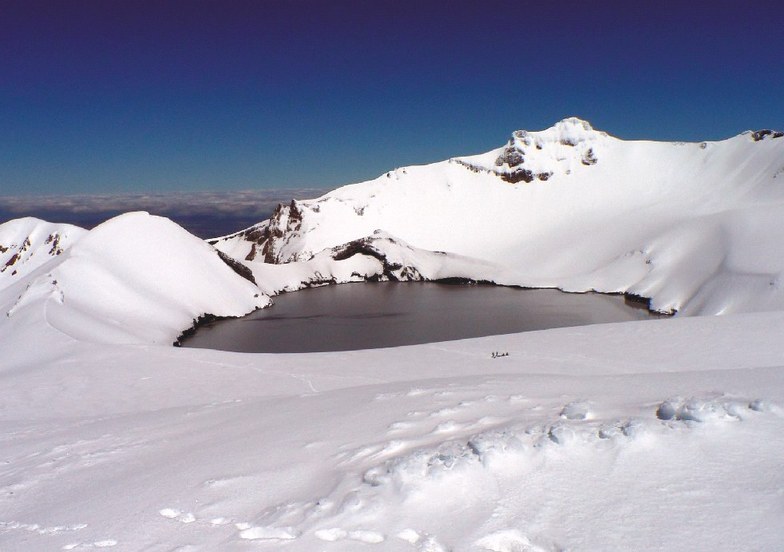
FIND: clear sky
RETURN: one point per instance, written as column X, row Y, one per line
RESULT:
column 111, row 96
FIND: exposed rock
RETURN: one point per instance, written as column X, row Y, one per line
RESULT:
column 12, row 261
column 520, row 175
column 237, row 267
column 544, row 175
column 54, row 240
column 589, row 157
column 758, row 135
column 511, row 157
column 391, row 271
column 202, row 320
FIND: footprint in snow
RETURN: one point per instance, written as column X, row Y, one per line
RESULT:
column 106, row 543
column 449, row 426
column 417, row 391
column 337, row 534
column 173, row 513
column 507, row 540
column 40, row 529
column 446, row 411
column 577, row 410
column 399, row 426
column 386, row 396
column 423, row 543
column 248, row 532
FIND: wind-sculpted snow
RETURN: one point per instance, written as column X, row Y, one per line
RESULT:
column 134, row 279
column 437, row 447
column 475, row 472
column 453, row 460
column 693, row 226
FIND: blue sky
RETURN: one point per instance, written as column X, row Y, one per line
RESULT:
column 117, row 97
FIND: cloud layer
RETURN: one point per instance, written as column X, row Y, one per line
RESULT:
column 206, row 214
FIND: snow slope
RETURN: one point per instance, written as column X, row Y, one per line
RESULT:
column 654, row 435
column 136, row 278
column 27, row 243
column 694, row 226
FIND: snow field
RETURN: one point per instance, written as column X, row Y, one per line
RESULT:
column 520, row 460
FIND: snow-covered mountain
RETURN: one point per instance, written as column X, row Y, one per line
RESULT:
column 133, row 279
column 27, row 243
column 694, row 226
column 653, row 435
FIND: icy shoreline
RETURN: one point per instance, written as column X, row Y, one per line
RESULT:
column 392, row 314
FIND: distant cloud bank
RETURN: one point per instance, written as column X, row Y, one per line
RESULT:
column 206, row 214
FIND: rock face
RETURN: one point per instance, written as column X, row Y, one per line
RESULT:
column 758, row 135
column 390, row 270
column 264, row 239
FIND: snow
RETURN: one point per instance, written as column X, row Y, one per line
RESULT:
column 136, row 278
column 653, row 435
column 693, row 226
column 27, row 243
column 332, row 451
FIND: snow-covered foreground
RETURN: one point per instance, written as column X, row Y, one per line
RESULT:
column 654, row 435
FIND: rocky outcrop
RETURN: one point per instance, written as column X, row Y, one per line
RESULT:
column 266, row 238
column 390, row 271
column 239, row 268
column 758, row 135
column 529, row 156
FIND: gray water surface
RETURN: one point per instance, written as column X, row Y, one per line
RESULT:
column 371, row 315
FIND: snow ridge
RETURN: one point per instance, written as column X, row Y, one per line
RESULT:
column 693, row 226
column 122, row 282
column 28, row 243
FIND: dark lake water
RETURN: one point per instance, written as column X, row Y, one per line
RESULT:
column 372, row 315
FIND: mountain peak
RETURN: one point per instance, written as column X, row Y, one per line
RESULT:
column 569, row 131
column 571, row 122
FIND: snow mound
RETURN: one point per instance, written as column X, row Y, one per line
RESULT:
column 136, row 278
